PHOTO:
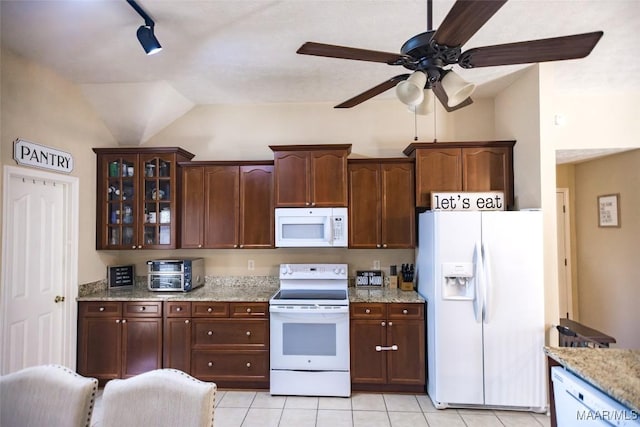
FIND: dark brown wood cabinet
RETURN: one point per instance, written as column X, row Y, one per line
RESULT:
column 230, row 343
column 311, row 175
column 387, row 347
column 119, row 339
column 381, row 203
column 136, row 197
column 462, row 166
column 176, row 341
column 227, row 205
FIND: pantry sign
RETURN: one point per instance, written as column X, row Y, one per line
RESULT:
column 31, row 154
column 467, row 201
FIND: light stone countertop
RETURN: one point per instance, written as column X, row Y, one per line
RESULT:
column 614, row 371
column 241, row 288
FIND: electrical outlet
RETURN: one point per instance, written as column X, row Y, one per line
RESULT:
column 251, row 265
column 376, row 264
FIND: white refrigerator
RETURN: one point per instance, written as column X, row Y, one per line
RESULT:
column 481, row 274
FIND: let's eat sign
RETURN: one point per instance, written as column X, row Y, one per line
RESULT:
column 39, row 156
column 465, row 201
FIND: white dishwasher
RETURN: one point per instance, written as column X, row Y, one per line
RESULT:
column 578, row 403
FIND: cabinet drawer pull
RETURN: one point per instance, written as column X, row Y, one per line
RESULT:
column 367, row 311
column 179, row 309
column 405, row 311
column 248, row 310
column 248, row 364
column 143, row 308
column 101, row 309
column 210, row 333
column 209, row 310
column 210, row 364
column 248, row 333
column 392, row 348
column 186, row 321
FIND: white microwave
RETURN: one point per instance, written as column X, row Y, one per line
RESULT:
column 311, row 227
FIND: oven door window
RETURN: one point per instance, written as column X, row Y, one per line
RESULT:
column 165, row 281
column 310, row 339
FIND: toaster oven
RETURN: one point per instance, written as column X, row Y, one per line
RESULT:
column 183, row 274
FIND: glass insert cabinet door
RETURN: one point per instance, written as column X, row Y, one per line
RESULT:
column 158, row 187
column 121, row 201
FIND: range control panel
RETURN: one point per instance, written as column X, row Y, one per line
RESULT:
column 313, row 271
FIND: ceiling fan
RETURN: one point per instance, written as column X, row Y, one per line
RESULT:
column 427, row 54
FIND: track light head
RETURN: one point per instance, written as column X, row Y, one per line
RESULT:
column 148, row 40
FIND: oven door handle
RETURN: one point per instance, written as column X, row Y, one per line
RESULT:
column 281, row 311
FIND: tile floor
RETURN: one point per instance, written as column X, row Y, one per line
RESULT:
column 260, row 409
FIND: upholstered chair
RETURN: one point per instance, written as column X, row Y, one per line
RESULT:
column 159, row 398
column 46, row 395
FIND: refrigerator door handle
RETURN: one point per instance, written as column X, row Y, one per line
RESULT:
column 486, row 269
column 478, row 303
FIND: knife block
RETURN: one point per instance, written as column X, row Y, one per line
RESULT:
column 404, row 286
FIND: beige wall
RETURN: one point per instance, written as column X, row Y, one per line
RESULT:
column 39, row 106
column 607, row 258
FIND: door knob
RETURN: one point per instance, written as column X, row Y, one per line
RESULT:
column 58, row 299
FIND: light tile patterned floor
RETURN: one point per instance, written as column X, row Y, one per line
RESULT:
column 260, row 409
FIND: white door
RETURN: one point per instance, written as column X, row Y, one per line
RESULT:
column 564, row 252
column 39, row 269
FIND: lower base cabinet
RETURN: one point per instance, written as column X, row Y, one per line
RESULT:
column 387, row 347
column 119, row 339
column 223, row 342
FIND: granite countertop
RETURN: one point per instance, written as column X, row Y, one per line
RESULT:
column 250, row 288
column 614, row 371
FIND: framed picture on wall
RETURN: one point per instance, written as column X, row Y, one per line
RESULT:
column 609, row 210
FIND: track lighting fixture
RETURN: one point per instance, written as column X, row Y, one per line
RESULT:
column 145, row 33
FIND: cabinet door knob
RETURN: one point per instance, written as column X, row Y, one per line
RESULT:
column 249, row 310
column 248, row 364
column 367, row 311
column 390, row 323
column 248, row 333
column 117, row 320
column 209, row 310
column 378, row 245
column 384, row 245
column 186, row 321
column 383, row 324
column 235, row 246
column 313, row 203
column 241, row 246
column 307, row 203
column 210, row 333
column 124, row 320
column 139, row 246
column 199, row 246
column 210, row 364
column 133, row 247
column 405, row 311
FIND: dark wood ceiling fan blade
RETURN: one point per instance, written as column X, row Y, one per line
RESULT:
column 376, row 90
column 464, row 19
column 444, row 99
column 343, row 52
column 543, row 50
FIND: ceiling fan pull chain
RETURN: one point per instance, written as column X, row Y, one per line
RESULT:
column 415, row 123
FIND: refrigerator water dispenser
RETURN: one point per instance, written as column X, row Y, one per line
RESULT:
column 457, row 280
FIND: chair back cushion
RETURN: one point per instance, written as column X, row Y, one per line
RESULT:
column 47, row 395
column 163, row 397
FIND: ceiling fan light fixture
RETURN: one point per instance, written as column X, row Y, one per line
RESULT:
column 148, row 40
column 410, row 92
column 426, row 106
column 456, row 88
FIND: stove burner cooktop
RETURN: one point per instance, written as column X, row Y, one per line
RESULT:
column 311, row 294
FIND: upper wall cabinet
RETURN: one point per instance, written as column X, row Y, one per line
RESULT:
column 462, row 166
column 227, row 205
column 310, row 175
column 381, row 203
column 136, row 197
